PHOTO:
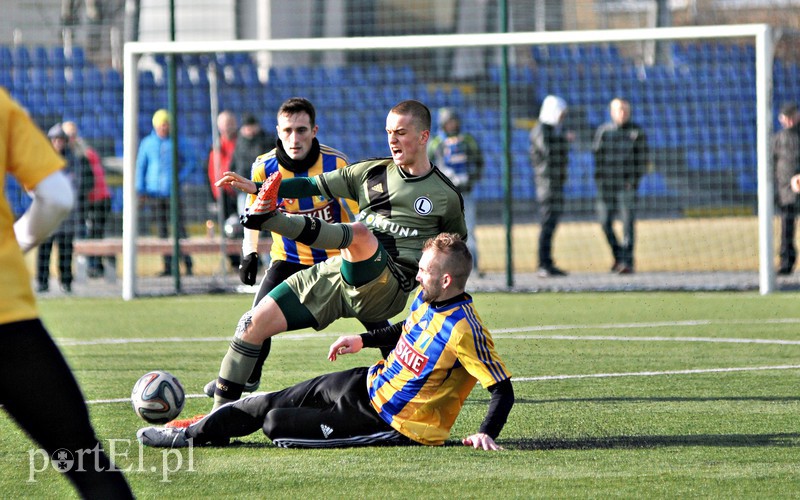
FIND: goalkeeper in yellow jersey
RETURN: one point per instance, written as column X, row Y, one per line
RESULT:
column 37, row 388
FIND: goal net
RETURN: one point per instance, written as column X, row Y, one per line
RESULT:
column 704, row 97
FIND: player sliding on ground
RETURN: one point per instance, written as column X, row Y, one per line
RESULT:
column 402, row 201
column 414, row 396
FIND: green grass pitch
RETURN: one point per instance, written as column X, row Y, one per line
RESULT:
column 640, row 395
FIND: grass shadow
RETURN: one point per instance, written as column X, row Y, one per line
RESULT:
column 784, row 440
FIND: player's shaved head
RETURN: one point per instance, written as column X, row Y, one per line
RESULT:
column 420, row 114
column 457, row 259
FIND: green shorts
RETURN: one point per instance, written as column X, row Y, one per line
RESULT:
column 328, row 297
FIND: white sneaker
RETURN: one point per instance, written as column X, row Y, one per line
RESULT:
column 162, row 437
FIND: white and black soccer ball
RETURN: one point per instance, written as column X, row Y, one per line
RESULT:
column 158, row 397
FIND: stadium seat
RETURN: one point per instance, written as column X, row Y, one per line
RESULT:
column 39, row 78
column 6, row 58
column 21, row 79
column 77, row 57
column 748, row 183
column 22, row 57
column 92, row 78
column 653, row 184
column 39, row 57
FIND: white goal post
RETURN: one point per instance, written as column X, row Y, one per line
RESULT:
column 760, row 34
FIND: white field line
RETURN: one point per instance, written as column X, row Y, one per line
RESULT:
column 512, row 333
column 499, row 333
column 655, row 374
column 568, row 377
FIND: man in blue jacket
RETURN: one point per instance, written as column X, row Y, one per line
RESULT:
column 154, row 182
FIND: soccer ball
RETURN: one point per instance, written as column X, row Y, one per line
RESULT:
column 158, row 397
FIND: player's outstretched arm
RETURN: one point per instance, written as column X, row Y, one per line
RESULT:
column 481, row 441
column 237, row 181
column 349, row 344
column 52, row 201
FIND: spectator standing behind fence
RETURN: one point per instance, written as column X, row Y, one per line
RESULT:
column 620, row 161
column 98, row 204
column 459, row 157
column 34, row 376
column 549, row 151
column 227, row 127
column 154, row 181
column 79, row 174
column 786, row 162
column 252, row 142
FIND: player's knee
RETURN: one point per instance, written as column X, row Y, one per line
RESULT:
column 270, row 423
column 363, row 239
column 361, row 233
column 245, row 323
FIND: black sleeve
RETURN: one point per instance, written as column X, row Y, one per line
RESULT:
column 499, row 408
column 383, row 337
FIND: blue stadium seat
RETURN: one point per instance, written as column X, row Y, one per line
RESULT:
column 92, row 78
column 694, row 160
column 653, row 185
column 21, row 79
column 77, row 57
column 17, row 197
column 333, row 75
column 57, row 57
column 6, row 79
column 39, row 57
column 39, row 78
column 6, row 58
column 112, row 79
column 22, row 57
column 147, row 80
column 748, row 183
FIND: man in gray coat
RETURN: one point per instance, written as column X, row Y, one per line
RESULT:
column 620, row 161
column 786, row 162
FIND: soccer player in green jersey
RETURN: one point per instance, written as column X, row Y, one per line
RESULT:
column 403, row 200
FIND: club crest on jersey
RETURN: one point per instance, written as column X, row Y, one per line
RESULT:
column 409, row 357
column 423, row 205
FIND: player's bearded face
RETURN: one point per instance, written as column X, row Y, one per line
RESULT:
column 296, row 134
column 430, row 278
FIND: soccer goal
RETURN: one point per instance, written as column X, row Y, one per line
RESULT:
column 703, row 96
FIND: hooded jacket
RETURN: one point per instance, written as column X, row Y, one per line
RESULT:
column 549, row 151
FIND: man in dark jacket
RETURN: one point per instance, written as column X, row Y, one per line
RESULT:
column 252, row 142
column 786, row 162
column 79, row 173
column 620, row 160
column 549, row 155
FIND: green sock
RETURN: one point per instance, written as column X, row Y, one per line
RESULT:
column 236, row 366
column 310, row 231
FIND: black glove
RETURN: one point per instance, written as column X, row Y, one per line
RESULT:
column 248, row 269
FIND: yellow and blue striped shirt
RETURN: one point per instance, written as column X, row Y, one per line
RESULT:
column 421, row 386
column 337, row 210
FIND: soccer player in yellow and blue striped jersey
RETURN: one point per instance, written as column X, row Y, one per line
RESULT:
column 414, row 396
